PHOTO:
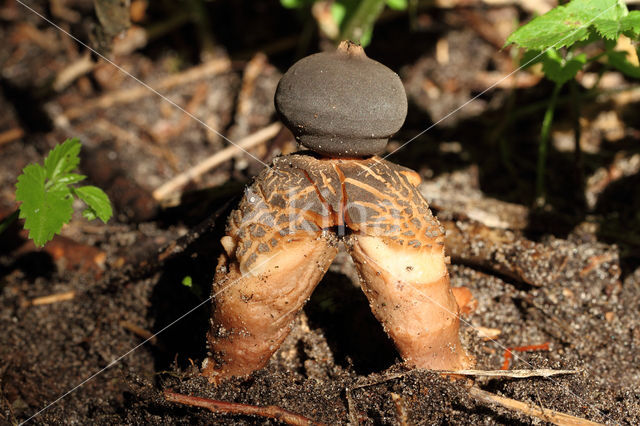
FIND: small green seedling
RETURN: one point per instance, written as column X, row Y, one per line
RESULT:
column 557, row 38
column 187, row 281
column 46, row 194
column 196, row 289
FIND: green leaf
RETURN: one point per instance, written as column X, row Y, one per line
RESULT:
column 44, row 211
column 564, row 25
column 70, row 178
column 531, row 57
column 30, row 186
column 619, row 61
column 62, row 159
column 63, row 181
column 628, row 24
column 89, row 214
column 631, row 24
column 187, row 281
column 46, row 197
column 398, row 4
column 560, row 70
column 96, row 200
column 608, row 28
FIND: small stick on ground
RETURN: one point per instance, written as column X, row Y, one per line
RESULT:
column 545, row 414
column 262, row 135
column 223, row 407
column 518, row 374
column 11, row 135
column 132, row 94
column 351, row 407
column 401, row 409
column 143, row 334
column 53, row 298
column 73, row 71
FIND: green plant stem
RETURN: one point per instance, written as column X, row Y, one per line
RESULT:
column 362, row 19
column 200, row 18
column 543, row 144
column 577, row 131
column 172, row 23
column 7, row 221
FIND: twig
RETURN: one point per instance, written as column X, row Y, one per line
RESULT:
column 401, row 409
column 11, row 135
column 53, row 298
column 545, row 414
column 73, row 71
column 128, row 95
column 518, row 374
column 144, row 334
column 40, row 38
column 223, row 407
column 139, row 331
column 351, row 408
column 262, row 135
column 60, row 10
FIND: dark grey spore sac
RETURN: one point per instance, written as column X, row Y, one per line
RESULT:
column 342, row 104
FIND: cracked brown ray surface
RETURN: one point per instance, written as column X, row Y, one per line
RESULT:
column 283, row 236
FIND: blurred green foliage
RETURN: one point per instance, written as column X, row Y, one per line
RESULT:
column 353, row 19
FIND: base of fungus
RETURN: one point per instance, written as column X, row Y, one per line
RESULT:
column 268, row 271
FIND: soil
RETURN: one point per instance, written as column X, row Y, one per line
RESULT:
column 566, row 274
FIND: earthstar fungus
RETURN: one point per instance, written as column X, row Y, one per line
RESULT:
column 284, row 234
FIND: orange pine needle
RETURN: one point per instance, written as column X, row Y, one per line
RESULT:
column 508, row 353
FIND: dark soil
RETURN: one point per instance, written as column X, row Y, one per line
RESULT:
column 90, row 359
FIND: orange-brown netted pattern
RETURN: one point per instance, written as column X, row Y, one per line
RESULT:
column 283, row 236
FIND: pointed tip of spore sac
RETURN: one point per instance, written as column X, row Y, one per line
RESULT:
column 350, row 48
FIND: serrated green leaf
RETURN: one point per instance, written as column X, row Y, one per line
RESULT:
column 560, row 70
column 567, row 24
column 619, row 61
column 30, row 188
column 44, row 211
column 608, row 28
column 46, row 197
column 611, row 29
column 96, row 199
column 631, row 24
column 62, row 159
